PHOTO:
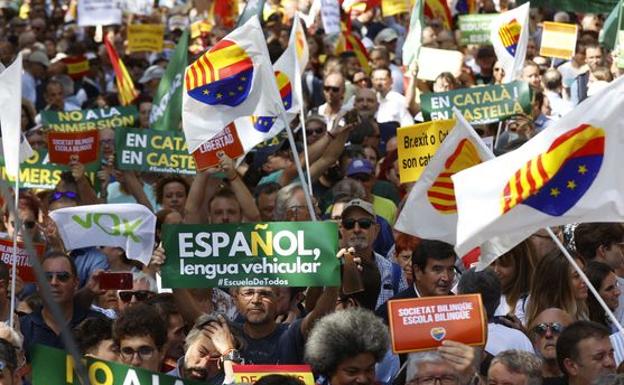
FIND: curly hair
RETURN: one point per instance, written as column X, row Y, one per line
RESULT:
column 141, row 320
column 90, row 332
column 159, row 189
column 345, row 334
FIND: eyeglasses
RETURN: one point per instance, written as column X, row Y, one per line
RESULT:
column 361, row 80
column 364, row 223
column 108, row 142
column 263, row 294
column 63, row 194
column 27, row 224
column 144, row 352
column 432, row 380
column 315, row 131
column 61, row 276
column 542, row 329
column 331, row 88
column 497, row 69
column 140, row 295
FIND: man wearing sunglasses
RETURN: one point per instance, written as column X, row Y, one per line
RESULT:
column 334, row 92
column 39, row 327
column 544, row 333
column 358, row 229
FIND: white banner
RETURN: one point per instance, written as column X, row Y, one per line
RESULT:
column 98, row 12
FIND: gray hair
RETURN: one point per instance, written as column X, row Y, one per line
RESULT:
column 204, row 320
column 283, row 200
column 141, row 276
column 344, row 334
column 521, row 362
column 415, row 359
column 348, row 189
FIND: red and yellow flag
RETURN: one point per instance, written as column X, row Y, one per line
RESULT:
column 438, row 9
column 125, row 85
column 226, row 11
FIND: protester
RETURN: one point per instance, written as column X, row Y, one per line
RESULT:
column 515, row 367
column 544, row 333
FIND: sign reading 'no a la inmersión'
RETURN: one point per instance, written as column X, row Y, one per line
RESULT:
column 251, row 254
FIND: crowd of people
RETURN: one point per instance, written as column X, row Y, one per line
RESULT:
column 543, row 324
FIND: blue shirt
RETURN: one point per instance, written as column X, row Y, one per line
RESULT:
column 88, row 260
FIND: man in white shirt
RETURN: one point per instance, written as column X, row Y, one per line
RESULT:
column 334, row 91
column 552, row 89
column 392, row 105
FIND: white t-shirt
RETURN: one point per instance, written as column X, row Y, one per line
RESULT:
column 393, row 108
column 501, row 338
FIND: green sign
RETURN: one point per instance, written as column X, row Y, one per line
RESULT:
column 251, row 254
column 38, row 172
column 475, row 29
column 52, row 366
column 84, row 120
column 150, row 150
column 581, row 6
column 479, row 105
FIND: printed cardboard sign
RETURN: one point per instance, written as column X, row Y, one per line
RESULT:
column 251, row 254
column 479, row 105
column 226, row 141
column 433, row 61
column 252, row 373
column 24, row 266
column 417, row 144
column 146, row 37
column 418, row 324
column 475, row 28
column 84, row 144
column 85, row 120
column 155, row 151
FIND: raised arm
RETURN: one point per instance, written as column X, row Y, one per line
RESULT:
column 243, row 195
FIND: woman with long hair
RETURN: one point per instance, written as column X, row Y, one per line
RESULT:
column 514, row 270
column 555, row 284
column 603, row 278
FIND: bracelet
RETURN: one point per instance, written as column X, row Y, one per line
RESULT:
column 232, row 179
column 332, row 136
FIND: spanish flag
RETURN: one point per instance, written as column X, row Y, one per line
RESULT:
column 347, row 41
column 125, row 86
column 226, row 11
column 438, row 9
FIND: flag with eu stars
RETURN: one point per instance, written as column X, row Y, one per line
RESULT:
column 568, row 173
column 509, row 34
column 232, row 79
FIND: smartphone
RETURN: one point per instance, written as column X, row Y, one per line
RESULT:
column 115, row 281
column 352, row 116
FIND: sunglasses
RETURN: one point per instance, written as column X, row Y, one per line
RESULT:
column 331, row 88
column 63, row 194
column 364, row 223
column 61, row 276
column 140, row 295
column 315, row 131
column 542, row 329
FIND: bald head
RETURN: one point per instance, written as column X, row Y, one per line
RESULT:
column 545, row 331
column 553, row 314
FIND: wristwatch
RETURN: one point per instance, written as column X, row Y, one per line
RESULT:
column 232, row 355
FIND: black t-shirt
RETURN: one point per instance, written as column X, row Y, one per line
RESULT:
column 284, row 346
column 554, row 381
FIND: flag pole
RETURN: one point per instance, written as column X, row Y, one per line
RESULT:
column 16, row 228
column 293, row 148
column 305, row 148
column 586, row 280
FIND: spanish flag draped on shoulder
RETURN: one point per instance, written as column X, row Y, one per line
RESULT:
column 125, row 86
column 231, row 80
column 570, row 172
column 430, row 211
column 509, row 34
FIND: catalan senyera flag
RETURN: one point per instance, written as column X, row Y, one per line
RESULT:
column 233, row 79
column 347, row 41
column 438, row 9
column 568, row 173
column 430, row 211
column 509, row 35
column 125, row 85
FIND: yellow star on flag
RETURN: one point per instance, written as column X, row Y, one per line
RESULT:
column 554, row 192
column 571, row 185
column 582, row 169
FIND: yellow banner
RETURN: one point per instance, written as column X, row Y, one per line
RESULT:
column 252, row 373
column 417, row 144
column 558, row 40
column 146, row 37
column 394, row 7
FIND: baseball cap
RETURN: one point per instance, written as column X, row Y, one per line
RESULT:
column 360, row 166
column 386, row 35
column 358, row 203
column 153, row 72
column 39, row 57
column 178, row 22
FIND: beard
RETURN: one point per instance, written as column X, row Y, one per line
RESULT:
column 358, row 242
